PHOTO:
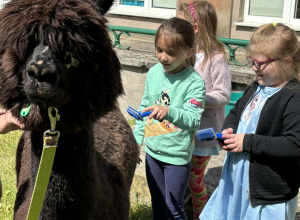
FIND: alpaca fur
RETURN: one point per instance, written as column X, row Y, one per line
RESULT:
column 97, row 154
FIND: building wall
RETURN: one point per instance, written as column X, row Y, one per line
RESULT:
column 229, row 12
column 223, row 9
column 134, row 21
column 134, row 83
column 239, row 32
column 230, row 16
column 137, row 61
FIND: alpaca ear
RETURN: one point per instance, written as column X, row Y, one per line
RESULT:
column 104, row 5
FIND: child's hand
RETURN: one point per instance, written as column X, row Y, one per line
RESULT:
column 233, row 142
column 227, row 131
column 159, row 112
column 8, row 122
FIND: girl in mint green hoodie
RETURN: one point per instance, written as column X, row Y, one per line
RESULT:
column 175, row 93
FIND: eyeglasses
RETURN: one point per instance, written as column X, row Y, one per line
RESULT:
column 257, row 63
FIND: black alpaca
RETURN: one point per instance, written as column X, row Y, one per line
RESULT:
column 59, row 54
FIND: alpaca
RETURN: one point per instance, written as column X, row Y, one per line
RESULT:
column 58, row 53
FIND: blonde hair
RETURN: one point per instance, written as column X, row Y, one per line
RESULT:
column 179, row 37
column 206, row 17
column 277, row 41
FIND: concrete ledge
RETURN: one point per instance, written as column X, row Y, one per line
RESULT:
column 136, row 58
column 242, row 75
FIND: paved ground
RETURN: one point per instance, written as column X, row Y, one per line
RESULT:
column 140, row 192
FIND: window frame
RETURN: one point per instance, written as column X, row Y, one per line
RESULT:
column 146, row 11
column 294, row 21
column 1, row 3
column 289, row 8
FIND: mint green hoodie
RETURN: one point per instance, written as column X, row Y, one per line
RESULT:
column 170, row 141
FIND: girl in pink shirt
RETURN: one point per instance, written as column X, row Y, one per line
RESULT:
column 212, row 65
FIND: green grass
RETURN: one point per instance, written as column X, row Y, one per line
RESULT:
column 131, row 121
column 139, row 210
column 8, row 145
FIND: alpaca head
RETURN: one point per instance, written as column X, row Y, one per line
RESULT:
column 46, row 82
column 59, row 54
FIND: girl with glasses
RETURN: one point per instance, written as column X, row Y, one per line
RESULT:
column 261, row 173
column 258, row 64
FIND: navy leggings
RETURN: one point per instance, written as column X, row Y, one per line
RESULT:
column 167, row 184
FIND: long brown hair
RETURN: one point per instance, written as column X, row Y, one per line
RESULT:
column 206, row 18
column 179, row 36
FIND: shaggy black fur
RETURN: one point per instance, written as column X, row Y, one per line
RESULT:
column 97, row 153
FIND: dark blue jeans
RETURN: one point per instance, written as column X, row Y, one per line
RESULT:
column 167, row 184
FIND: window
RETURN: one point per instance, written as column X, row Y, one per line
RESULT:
column 266, row 11
column 145, row 8
column 2, row 2
column 133, row 3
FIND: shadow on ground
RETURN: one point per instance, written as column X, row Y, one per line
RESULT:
column 211, row 179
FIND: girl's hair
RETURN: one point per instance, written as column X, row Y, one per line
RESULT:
column 204, row 14
column 179, row 37
column 277, row 41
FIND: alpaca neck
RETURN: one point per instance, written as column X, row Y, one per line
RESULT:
column 73, row 150
column 74, row 160
column 74, row 165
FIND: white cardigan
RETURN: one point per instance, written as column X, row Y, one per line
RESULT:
column 217, row 77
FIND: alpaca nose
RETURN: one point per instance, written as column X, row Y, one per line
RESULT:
column 40, row 72
column 41, row 67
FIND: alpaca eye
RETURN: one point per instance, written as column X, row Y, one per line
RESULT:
column 67, row 58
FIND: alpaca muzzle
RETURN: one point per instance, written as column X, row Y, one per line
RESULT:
column 42, row 75
column 41, row 68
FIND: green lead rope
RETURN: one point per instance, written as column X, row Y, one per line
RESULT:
column 45, row 168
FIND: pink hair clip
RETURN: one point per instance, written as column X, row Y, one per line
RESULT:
column 193, row 11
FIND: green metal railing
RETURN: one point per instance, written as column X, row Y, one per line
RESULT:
column 126, row 31
column 231, row 44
